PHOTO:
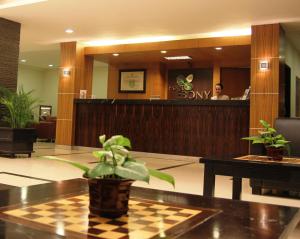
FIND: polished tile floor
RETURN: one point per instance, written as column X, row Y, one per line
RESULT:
column 22, row 172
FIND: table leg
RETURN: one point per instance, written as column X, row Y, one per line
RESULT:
column 236, row 188
column 209, row 181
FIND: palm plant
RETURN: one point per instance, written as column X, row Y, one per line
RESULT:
column 19, row 106
column 116, row 162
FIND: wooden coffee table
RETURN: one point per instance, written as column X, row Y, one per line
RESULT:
column 51, row 211
column 249, row 166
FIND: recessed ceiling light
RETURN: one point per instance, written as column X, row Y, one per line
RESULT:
column 50, row 65
column 69, row 31
column 116, row 54
column 170, row 58
column 23, row 60
column 218, row 48
column 163, row 52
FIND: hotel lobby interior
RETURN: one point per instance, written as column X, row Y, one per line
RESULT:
column 206, row 95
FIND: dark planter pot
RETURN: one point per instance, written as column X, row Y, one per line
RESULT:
column 109, row 197
column 17, row 141
column 275, row 153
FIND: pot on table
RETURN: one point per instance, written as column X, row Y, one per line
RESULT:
column 109, row 197
column 275, row 153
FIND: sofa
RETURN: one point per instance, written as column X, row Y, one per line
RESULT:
column 46, row 129
column 290, row 128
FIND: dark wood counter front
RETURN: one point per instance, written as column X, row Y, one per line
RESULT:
column 184, row 127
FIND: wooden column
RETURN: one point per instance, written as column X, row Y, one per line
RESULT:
column 80, row 78
column 264, row 99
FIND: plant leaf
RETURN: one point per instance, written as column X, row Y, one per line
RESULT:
column 265, row 124
column 75, row 164
column 132, row 173
column 163, row 176
column 120, row 149
column 102, row 153
column 102, row 138
column 102, row 169
column 123, row 141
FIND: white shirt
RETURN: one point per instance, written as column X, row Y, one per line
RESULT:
column 220, row 97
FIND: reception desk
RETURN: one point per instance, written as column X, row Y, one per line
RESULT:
column 184, row 127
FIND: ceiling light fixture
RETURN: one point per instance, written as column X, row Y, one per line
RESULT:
column 23, row 60
column 17, row 3
column 170, row 58
column 50, row 65
column 69, row 31
column 163, row 52
column 218, row 48
column 116, row 54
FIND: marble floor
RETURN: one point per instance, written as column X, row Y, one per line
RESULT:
column 23, row 171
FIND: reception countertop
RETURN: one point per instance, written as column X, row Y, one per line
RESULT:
column 164, row 102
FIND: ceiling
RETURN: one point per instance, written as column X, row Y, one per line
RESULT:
column 230, row 56
column 116, row 21
column 44, row 22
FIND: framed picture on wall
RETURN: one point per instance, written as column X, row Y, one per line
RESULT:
column 132, row 81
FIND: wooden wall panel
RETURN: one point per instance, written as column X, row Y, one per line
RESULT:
column 264, row 96
column 72, row 57
column 212, row 129
column 235, row 81
column 155, row 81
column 9, row 56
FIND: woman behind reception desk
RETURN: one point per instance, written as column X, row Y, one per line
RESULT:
column 218, row 88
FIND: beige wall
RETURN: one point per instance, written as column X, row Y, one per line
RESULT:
column 50, row 88
column 293, row 61
column 43, row 82
column 31, row 78
column 100, row 79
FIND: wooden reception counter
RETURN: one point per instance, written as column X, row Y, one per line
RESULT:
column 184, row 127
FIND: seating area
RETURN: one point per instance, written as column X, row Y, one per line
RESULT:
column 289, row 127
column 46, row 129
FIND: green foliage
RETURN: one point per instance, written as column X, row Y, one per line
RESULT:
column 269, row 137
column 115, row 161
column 19, row 105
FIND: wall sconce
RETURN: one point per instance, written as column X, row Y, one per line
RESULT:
column 66, row 72
column 264, row 65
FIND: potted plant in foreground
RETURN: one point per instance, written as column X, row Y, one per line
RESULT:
column 110, row 180
column 18, row 137
column 275, row 144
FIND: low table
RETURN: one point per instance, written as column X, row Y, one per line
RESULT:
column 25, row 211
column 249, row 166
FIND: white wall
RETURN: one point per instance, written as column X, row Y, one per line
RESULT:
column 292, row 59
column 100, row 78
column 50, row 89
column 31, row 78
column 44, row 82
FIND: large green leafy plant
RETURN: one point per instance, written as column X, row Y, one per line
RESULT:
column 269, row 137
column 115, row 161
column 19, row 107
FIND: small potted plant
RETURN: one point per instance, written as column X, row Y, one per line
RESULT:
column 19, row 136
column 275, row 144
column 110, row 180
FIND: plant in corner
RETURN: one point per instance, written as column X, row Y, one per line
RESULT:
column 110, row 180
column 274, row 143
column 18, row 137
